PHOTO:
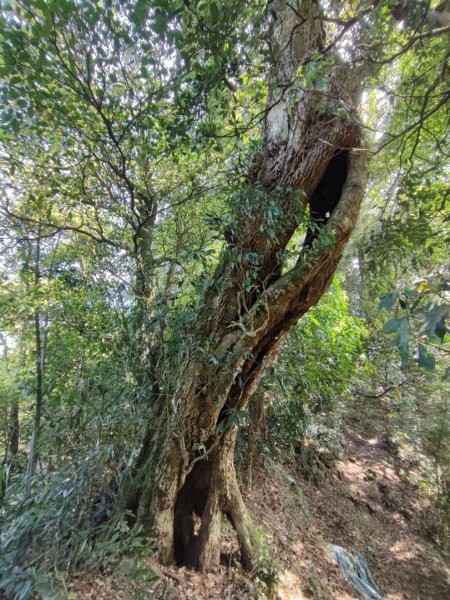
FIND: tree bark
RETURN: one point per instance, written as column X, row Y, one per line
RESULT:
column 187, row 467
column 256, row 428
column 12, row 423
column 34, row 443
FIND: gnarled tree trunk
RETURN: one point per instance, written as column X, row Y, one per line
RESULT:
column 187, row 468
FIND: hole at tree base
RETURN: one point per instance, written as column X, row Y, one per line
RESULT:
column 189, row 507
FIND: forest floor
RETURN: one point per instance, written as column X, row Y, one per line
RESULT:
column 361, row 504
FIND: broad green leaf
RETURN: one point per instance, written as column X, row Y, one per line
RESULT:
column 392, row 325
column 140, row 12
column 403, row 340
column 388, row 302
column 441, row 329
column 425, row 360
column 214, row 12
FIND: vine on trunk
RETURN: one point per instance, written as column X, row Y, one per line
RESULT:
column 189, row 478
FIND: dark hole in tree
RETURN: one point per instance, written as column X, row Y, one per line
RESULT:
column 191, row 501
column 327, row 194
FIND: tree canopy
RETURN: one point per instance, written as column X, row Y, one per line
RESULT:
column 180, row 180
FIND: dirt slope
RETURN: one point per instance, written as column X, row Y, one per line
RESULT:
column 361, row 505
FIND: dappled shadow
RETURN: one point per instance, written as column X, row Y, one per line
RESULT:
column 385, row 523
column 362, row 505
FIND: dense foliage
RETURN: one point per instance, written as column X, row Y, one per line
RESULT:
column 127, row 133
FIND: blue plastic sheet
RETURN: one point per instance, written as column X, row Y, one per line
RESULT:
column 357, row 572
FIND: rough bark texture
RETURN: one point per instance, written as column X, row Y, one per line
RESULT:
column 186, row 468
column 32, row 458
column 256, row 430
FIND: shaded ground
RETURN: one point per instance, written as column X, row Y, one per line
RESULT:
column 362, row 505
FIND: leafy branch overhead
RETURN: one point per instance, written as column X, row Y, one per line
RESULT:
column 426, row 310
column 180, row 182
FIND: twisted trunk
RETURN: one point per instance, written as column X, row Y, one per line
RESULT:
column 186, row 468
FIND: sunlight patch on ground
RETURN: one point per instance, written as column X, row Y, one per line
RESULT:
column 297, row 548
column 373, row 441
column 403, row 550
column 289, row 586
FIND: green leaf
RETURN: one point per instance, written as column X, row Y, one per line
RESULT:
column 433, row 319
column 220, row 427
column 47, row 26
column 214, row 12
column 425, row 360
column 388, row 302
column 441, row 329
column 140, row 12
column 320, row 84
column 403, row 340
column 392, row 325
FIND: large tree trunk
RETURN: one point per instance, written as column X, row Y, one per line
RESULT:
column 186, row 467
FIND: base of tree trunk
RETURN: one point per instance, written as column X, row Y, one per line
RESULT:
column 188, row 531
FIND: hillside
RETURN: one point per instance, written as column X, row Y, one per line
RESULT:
column 361, row 504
